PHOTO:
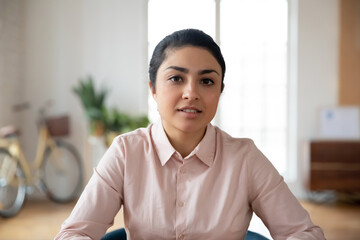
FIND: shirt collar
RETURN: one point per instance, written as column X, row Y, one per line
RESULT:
column 205, row 150
column 162, row 144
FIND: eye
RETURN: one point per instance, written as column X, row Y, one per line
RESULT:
column 175, row 79
column 207, row 81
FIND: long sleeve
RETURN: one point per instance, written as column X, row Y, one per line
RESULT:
column 100, row 201
column 210, row 194
column 274, row 203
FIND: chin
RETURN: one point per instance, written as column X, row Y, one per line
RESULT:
column 190, row 128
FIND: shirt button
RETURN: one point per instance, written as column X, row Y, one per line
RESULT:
column 181, row 204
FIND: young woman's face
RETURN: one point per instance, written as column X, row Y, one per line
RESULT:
column 188, row 88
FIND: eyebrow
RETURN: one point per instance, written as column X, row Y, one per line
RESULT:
column 208, row 71
column 185, row 70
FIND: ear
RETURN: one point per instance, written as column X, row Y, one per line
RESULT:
column 152, row 89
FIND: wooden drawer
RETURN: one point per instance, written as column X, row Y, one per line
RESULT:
column 335, row 151
column 335, row 165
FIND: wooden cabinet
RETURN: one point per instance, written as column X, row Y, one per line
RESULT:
column 335, row 165
column 349, row 53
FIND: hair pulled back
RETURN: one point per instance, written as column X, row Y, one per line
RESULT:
column 181, row 38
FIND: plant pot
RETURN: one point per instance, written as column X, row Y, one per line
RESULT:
column 97, row 128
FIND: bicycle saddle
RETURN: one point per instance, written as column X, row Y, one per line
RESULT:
column 9, row 131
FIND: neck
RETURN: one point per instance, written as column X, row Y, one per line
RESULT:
column 185, row 143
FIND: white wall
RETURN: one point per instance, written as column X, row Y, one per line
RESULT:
column 317, row 73
column 11, row 60
column 67, row 40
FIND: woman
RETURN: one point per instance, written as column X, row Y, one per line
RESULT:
column 182, row 178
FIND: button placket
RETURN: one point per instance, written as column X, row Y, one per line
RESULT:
column 181, row 176
column 180, row 203
column 180, row 237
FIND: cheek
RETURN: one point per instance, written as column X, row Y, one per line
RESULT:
column 213, row 100
column 164, row 99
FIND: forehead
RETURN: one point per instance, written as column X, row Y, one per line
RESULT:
column 190, row 56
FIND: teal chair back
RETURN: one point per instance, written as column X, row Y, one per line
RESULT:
column 120, row 234
column 254, row 236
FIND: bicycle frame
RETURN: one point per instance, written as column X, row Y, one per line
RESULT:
column 56, row 171
column 14, row 148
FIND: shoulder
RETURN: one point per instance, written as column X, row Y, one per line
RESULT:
column 233, row 144
column 140, row 135
column 240, row 151
column 134, row 143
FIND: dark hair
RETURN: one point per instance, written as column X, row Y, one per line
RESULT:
column 192, row 37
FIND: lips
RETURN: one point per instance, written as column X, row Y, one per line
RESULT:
column 189, row 110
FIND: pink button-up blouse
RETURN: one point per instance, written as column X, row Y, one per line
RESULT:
column 210, row 194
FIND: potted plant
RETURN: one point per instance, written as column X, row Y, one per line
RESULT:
column 93, row 102
column 118, row 122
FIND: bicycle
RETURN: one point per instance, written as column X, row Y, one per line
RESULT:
column 56, row 171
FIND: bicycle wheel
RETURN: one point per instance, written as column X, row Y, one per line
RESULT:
column 12, row 185
column 62, row 172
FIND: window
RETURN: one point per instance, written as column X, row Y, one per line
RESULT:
column 254, row 103
column 253, row 39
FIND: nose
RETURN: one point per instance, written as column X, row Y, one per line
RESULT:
column 190, row 91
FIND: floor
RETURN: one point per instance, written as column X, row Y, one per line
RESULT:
column 41, row 219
